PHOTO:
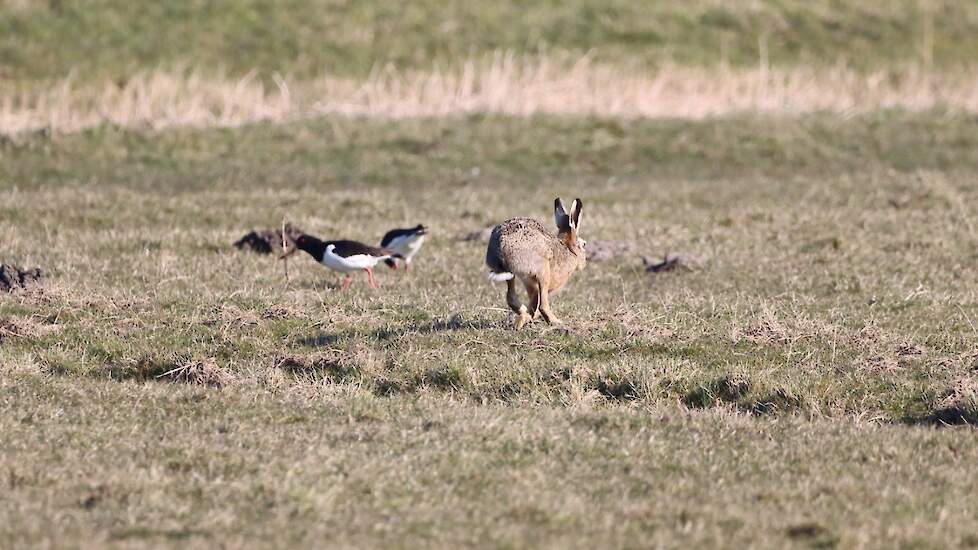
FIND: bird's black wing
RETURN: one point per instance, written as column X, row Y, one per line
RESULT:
column 346, row 249
column 395, row 233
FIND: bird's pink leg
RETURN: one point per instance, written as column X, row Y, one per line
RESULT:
column 346, row 282
column 407, row 266
column 370, row 277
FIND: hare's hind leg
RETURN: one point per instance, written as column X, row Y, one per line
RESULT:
column 545, row 304
column 513, row 300
column 533, row 293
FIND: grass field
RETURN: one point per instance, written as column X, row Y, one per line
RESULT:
column 812, row 381
column 111, row 39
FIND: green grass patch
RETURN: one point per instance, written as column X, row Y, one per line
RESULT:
column 98, row 40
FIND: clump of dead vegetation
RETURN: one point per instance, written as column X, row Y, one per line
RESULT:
column 10, row 328
column 28, row 328
column 204, row 372
column 771, row 326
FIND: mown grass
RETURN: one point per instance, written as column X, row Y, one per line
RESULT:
column 786, row 390
column 833, row 288
column 111, row 39
column 130, row 464
column 811, row 382
column 455, row 152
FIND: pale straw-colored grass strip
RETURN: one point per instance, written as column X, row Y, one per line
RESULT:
column 503, row 83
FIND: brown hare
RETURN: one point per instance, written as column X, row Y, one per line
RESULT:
column 522, row 248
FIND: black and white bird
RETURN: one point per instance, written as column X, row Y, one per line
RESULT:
column 406, row 242
column 343, row 256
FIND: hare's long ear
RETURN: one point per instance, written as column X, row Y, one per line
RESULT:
column 575, row 214
column 560, row 215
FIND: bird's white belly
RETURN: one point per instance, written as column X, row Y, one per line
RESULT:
column 407, row 246
column 348, row 264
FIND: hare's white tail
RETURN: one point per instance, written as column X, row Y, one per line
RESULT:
column 500, row 276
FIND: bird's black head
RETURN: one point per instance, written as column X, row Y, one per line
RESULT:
column 313, row 246
column 421, row 229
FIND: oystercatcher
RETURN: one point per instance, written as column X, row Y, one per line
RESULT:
column 343, row 256
column 406, row 242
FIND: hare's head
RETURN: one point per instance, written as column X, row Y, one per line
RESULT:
column 568, row 225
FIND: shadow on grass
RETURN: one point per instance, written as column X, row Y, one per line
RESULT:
column 319, row 340
column 334, row 365
column 812, row 535
column 736, row 391
column 945, row 417
column 143, row 533
column 452, row 324
column 617, row 390
column 180, row 369
column 324, row 339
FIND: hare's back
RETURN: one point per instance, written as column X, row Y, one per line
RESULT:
column 519, row 237
column 517, row 230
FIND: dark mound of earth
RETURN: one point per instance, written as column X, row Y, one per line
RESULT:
column 13, row 277
column 264, row 241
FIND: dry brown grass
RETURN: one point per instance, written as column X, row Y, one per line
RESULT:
column 163, row 387
column 504, row 83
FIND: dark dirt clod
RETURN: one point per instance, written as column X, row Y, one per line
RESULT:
column 264, row 241
column 601, row 251
column 671, row 262
column 814, row 534
column 13, row 277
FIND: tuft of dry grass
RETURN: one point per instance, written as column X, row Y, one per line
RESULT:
column 503, row 83
column 200, row 372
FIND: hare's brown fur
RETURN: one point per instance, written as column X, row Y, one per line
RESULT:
column 542, row 261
